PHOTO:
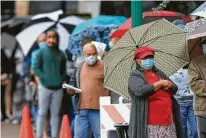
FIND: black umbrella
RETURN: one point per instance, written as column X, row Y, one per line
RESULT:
column 64, row 24
column 8, row 42
column 14, row 25
column 9, row 29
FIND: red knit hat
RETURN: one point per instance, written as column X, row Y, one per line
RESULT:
column 142, row 52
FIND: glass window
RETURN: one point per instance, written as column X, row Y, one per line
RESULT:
column 37, row 7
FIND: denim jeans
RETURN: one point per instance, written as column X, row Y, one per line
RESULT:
column 49, row 100
column 71, row 119
column 34, row 112
column 85, row 121
column 188, row 119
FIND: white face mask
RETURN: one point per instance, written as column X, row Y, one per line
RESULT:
column 91, row 60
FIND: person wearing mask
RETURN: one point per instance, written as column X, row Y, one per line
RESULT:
column 184, row 96
column 197, row 72
column 113, row 41
column 33, row 82
column 89, row 77
column 154, row 112
column 49, row 66
column 41, row 39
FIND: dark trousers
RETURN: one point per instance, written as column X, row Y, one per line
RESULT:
column 3, row 107
column 201, row 126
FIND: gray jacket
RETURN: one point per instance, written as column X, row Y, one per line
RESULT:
column 75, row 81
column 139, row 91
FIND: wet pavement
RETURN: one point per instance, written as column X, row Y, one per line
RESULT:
column 9, row 130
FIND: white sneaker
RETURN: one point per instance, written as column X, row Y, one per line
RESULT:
column 15, row 122
column 7, row 121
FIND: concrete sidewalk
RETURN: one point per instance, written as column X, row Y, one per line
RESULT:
column 9, row 130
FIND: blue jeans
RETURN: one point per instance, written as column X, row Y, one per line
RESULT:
column 188, row 119
column 85, row 121
column 71, row 119
column 34, row 112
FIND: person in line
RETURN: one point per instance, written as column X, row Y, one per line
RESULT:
column 113, row 41
column 73, row 62
column 5, row 82
column 19, row 89
column 41, row 39
column 33, row 81
column 184, row 96
column 49, row 66
column 154, row 112
column 197, row 71
column 89, row 78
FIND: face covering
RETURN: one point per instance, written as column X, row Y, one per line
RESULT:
column 147, row 63
column 91, row 60
column 111, row 45
column 42, row 44
column 204, row 49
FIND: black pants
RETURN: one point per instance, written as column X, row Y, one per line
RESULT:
column 3, row 105
column 201, row 126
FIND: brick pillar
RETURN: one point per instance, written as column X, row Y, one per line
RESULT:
column 22, row 7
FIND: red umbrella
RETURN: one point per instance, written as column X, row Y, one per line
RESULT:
column 122, row 29
column 149, row 17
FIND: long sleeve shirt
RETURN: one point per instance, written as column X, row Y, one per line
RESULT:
column 181, row 79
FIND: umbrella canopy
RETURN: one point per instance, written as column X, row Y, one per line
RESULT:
column 14, row 25
column 102, row 20
column 8, row 44
column 7, row 41
column 96, row 33
column 168, row 41
column 64, row 24
column 195, row 30
column 123, row 29
column 11, row 53
column 200, row 11
column 149, row 17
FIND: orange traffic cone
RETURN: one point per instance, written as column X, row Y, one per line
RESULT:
column 26, row 127
column 65, row 129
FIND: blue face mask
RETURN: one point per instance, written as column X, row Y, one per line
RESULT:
column 147, row 63
column 204, row 49
column 42, row 44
